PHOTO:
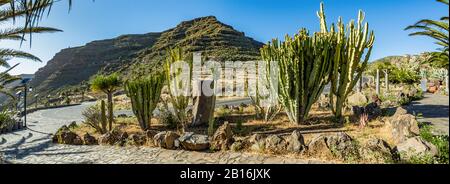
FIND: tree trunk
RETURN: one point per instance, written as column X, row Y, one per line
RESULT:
column 110, row 110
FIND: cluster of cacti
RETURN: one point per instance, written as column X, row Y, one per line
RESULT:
column 350, row 58
column 145, row 95
column 177, row 80
column 306, row 63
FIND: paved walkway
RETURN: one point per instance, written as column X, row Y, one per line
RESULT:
column 34, row 146
column 434, row 110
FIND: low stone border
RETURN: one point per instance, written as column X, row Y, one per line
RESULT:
column 45, row 108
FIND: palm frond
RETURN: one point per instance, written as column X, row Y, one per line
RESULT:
column 11, row 53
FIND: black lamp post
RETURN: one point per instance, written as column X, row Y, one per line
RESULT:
column 25, row 86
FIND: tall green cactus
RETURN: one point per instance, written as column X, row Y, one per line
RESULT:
column 145, row 95
column 179, row 99
column 103, row 115
column 350, row 59
column 304, row 64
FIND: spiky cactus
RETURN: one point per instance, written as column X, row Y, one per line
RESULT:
column 175, row 79
column 103, row 115
column 145, row 95
column 304, row 65
column 350, row 59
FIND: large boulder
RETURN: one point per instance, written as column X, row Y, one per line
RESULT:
column 377, row 151
column 194, row 142
column 89, row 139
column 275, row 144
column 295, row 142
column 339, row 145
column 108, row 139
column 403, row 126
column 166, row 139
column 357, row 99
column 223, row 138
column 416, row 147
column 136, row 140
column 170, row 139
column 65, row 136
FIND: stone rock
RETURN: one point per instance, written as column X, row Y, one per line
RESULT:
column 275, row 144
column 169, row 139
column 255, row 138
column 403, row 126
column 150, row 134
column 400, row 111
column 65, row 136
column 204, row 105
column 194, row 142
column 223, row 138
column 357, row 99
column 123, row 136
column 158, row 139
column 107, row 139
column 136, row 140
column 89, row 139
column 295, row 142
column 416, row 147
column 377, row 151
column 339, row 145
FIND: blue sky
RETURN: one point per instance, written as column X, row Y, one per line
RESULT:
column 260, row 19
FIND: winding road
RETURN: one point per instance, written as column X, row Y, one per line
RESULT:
column 434, row 110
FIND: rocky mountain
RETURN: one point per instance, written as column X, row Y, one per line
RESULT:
column 141, row 54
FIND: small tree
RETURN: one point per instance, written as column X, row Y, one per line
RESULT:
column 108, row 85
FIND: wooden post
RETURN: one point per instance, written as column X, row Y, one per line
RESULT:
column 377, row 82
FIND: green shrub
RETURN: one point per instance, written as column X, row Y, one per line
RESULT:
column 6, row 119
column 441, row 142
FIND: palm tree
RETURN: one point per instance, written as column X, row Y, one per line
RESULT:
column 437, row 30
column 108, row 85
column 8, row 14
column 5, row 79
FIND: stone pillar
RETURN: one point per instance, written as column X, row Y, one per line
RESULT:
column 386, row 78
column 377, row 82
column 204, row 104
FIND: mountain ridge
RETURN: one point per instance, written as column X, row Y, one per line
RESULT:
column 137, row 54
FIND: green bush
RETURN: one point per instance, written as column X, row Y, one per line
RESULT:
column 404, row 74
column 6, row 119
column 441, row 142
